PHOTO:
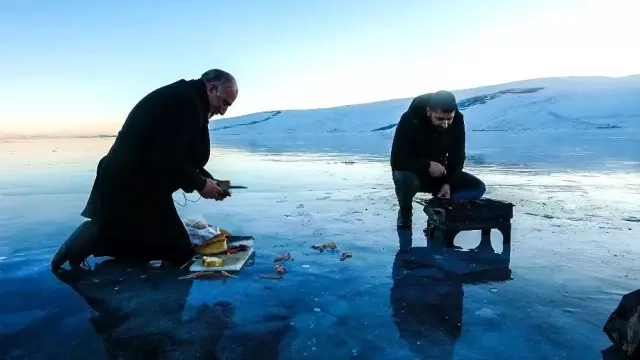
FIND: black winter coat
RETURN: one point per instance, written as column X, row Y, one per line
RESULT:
column 162, row 147
column 417, row 142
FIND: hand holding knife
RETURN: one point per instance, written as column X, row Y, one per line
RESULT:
column 225, row 185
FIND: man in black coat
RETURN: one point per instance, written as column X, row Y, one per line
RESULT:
column 428, row 154
column 162, row 147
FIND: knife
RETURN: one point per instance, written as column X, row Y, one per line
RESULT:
column 235, row 238
column 226, row 185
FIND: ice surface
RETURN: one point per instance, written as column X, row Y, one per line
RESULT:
column 546, row 296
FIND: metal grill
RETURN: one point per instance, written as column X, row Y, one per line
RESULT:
column 477, row 210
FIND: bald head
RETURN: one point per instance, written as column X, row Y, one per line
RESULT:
column 220, row 77
column 222, row 90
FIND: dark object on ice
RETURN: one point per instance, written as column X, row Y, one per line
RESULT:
column 472, row 210
column 623, row 325
column 447, row 218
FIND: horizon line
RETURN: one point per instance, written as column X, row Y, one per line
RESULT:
column 53, row 135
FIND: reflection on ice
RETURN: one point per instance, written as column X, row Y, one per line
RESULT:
column 427, row 293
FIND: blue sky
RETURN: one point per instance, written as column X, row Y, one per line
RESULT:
column 69, row 65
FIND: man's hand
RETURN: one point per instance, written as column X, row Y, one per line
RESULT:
column 445, row 191
column 212, row 191
column 436, row 170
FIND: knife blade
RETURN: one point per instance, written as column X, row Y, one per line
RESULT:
column 235, row 238
column 226, row 185
column 233, row 187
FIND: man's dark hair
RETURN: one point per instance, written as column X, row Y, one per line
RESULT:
column 444, row 101
column 217, row 76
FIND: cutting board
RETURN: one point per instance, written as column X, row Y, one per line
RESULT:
column 230, row 262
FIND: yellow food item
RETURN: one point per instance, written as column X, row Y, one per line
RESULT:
column 210, row 261
column 225, row 232
column 212, row 248
column 219, row 237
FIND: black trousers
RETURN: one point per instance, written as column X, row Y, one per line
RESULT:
column 139, row 232
column 161, row 236
column 408, row 184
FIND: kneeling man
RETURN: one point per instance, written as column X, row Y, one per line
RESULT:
column 162, row 147
column 428, row 154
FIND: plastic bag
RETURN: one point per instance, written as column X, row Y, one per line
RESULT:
column 199, row 231
column 196, row 223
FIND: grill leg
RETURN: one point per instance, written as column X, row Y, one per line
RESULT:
column 505, row 230
column 449, row 237
column 431, row 232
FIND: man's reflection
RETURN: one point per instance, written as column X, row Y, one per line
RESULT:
column 139, row 312
column 427, row 293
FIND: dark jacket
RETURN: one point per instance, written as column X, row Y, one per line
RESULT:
column 417, row 142
column 162, row 147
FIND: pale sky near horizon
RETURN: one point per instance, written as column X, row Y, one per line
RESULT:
column 79, row 66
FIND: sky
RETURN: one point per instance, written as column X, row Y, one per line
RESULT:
column 77, row 66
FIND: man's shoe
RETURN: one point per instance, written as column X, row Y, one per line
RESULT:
column 404, row 218
column 78, row 247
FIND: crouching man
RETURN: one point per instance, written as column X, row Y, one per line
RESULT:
column 428, row 154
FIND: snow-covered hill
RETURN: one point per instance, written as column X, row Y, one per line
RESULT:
column 575, row 103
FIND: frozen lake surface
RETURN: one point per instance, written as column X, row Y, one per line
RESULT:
column 574, row 254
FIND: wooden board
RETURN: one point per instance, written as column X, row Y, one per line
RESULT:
column 230, row 262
